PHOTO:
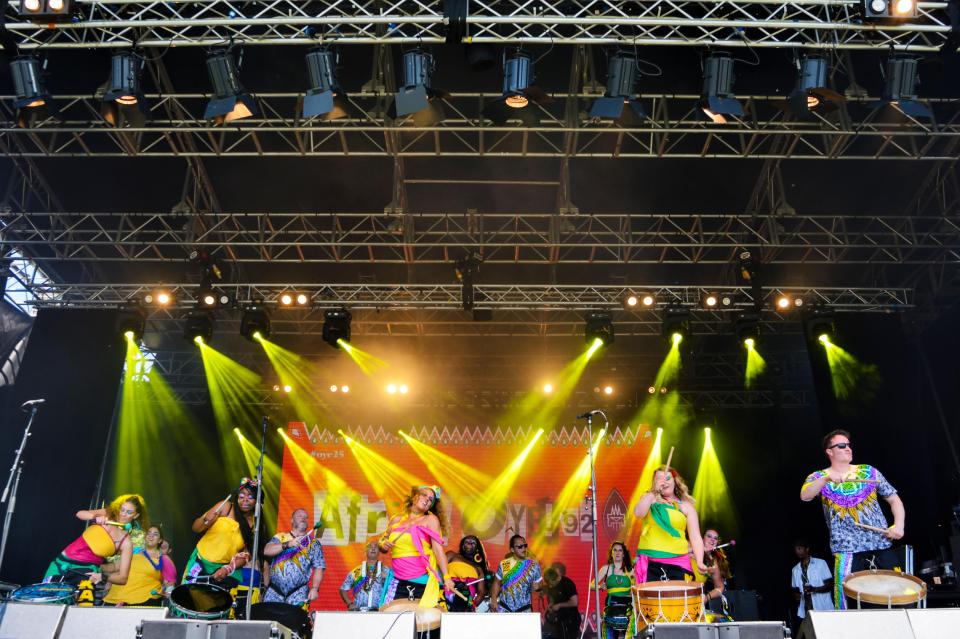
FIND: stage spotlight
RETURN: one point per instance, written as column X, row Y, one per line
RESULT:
column 344, row 389
column 784, row 303
column 547, row 388
column 747, row 329
column 889, row 10
column 334, row 388
column 717, row 100
column 518, row 92
column 599, row 326
column 676, row 322
column 336, row 326
column 403, row 389
column 276, row 388
column 748, row 266
column 820, row 325
column 255, row 322
column 198, row 327
column 709, row 301
column 324, row 99
column 901, row 86
column 302, row 299
column 123, row 103
column 391, row 389
column 464, row 270
column 648, row 300
column 630, row 301
column 608, row 390
column 45, row 11
column 811, row 90
column 31, row 98
column 230, row 100
column 663, row 390
column 160, row 297
column 286, row 299
column 131, row 321
column 652, row 389
column 621, row 92
column 287, row 388
column 417, row 97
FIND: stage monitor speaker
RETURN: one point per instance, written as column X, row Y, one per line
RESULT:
column 936, row 623
column 856, row 624
column 37, row 621
column 173, row 629
column 679, row 631
column 752, row 630
column 743, row 604
column 248, row 630
column 106, row 622
column 363, row 625
column 470, row 625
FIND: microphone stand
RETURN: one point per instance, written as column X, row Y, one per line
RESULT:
column 593, row 518
column 13, row 483
column 257, row 513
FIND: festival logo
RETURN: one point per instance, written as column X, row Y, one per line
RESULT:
column 614, row 514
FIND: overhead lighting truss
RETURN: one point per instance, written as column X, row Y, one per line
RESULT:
column 207, row 23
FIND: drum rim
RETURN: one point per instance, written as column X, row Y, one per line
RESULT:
column 68, row 594
column 884, row 599
column 196, row 614
column 679, row 589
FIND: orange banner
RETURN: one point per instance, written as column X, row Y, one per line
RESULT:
column 353, row 489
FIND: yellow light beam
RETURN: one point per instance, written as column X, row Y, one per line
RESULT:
column 369, row 364
column 459, row 479
column 755, row 363
column 644, row 482
column 389, row 481
column 847, row 373
column 715, row 507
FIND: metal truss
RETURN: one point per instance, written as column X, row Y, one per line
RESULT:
column 500, row 238
column 816, row 24
column 676, row 129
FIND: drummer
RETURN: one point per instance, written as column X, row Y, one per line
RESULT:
column 107, row 536
column 718, row 571
column 296, row 561
column 364, row 582
column 616, row 577
column 849, row 494
column 667, row 511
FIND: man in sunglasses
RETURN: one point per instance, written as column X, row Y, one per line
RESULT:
column 849, row 494
column 517, row 577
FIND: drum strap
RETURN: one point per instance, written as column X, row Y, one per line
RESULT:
column 275, row 588
column 520, row 609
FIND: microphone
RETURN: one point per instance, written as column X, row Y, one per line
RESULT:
column 30, row 403
column 732, row 542
column 587, row 414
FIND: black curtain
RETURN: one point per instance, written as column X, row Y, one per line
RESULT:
column 74, row 361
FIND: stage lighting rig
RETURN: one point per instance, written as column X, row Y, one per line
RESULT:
column 198, row 326
column 255, row 321
column 621, row 92
column 676, row 322
column 519, row 92
column 46, row 11
column 230, row 100
column 31, row 97
column 717, row 100
column 820, row 324
column 123, row 103
column 888, row 10
column 417, row 97
column 209, row 298
column 710, row 301
column 747, row 327
column 464, row 270
column 598, row 325
column 811, row 92
column 160, row 297
column 131, row 321
column 901, row 86
column 325, row 98
column 336, row 326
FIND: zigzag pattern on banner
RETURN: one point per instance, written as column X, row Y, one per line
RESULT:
column 477, row 435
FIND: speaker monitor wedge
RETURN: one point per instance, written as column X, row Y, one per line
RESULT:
column 106, row 622
column 30, row 620
column 857, row 624
column 935, row 623
column 469, row 625
column 357, row 625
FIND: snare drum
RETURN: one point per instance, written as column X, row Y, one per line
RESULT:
column 200, row 601
column 427, row 618
column 667, row 601
column 48, row 593
column 616, row 617
column 884, row 589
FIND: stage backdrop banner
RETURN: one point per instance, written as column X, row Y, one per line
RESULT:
column 352, row 488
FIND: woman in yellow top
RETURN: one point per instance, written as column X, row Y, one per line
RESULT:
column 667, row 511
column 466, row 579
column 151, row 575
column 415, row 543
column 227, row 538
column 108, row 535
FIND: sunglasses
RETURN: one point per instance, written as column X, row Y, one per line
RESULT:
column 520, row 546
column 842, row 446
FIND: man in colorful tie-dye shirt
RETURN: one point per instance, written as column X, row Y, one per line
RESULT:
column 516, row 578
column 849, row 494
column 296, row 562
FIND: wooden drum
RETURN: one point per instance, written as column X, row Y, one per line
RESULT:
column 884, row 589
column 667, row 601
column 427, row 618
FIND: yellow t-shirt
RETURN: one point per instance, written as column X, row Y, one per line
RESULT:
column 143, row 582
column 221, row 541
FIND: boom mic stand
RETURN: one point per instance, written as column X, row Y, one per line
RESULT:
column 13, row 482
column 593, row 511
column 257, row 513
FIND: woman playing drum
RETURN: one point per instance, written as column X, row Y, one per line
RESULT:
column 227, row 537
column 108, row 536
column 415, row 543
column 667, row 511
column 616, row 577
column 151, row 575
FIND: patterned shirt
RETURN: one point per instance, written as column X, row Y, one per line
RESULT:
column 365, row 585
column 517, row 578
column 290, row 570
column 849, row 503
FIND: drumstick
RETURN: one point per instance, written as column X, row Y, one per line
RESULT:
column 873, row 528
column 669, row 458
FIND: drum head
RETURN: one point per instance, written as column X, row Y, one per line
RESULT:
column 292, row 617
column 51, row 593
column 668, row 589
column 884, row 587
column 201, row 601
